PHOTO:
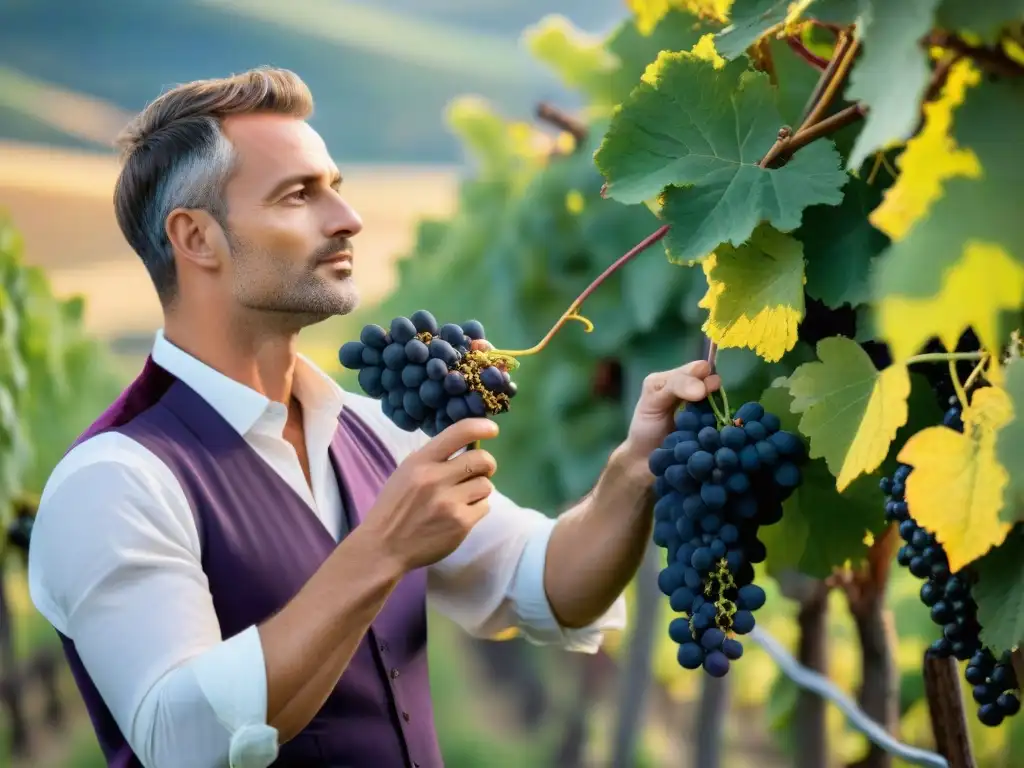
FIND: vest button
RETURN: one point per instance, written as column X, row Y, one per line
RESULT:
column 394, row 673
column 405, row 716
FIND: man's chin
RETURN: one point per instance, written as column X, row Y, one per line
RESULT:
column 312, row 308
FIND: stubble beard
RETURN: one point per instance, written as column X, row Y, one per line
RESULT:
column 297, row 299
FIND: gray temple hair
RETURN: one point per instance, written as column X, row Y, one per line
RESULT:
column 175, row 155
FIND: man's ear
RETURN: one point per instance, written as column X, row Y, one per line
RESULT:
column 196, row 237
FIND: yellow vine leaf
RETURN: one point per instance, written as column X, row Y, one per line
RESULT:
column 795, row 12
column 975, row 291
column 956, row 488
column 703, row 50
column 929, row 159
column 647, row 13
column 851, row 411
column 717, row 10
column 755, row 295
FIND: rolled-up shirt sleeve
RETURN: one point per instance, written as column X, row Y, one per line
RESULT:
column 494, row 582
column 115, row 565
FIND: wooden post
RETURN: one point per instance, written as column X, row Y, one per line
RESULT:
column 946, row 706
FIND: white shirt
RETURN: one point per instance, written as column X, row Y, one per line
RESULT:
column 115, row 565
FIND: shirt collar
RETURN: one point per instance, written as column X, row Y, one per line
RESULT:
column 242, row 407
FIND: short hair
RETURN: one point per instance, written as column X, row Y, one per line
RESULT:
column 175, row 155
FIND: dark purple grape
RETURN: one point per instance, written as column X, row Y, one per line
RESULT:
column 491, row 378
column 351, row 354
column 374, row 336
column 402, row 330
column 424, row 322
column 455, row 384
column 417, row 352
column 733, row 649
column 474, row 329
column 690, row 656
column 453, row 334
column 716, row 664
column 369, row 382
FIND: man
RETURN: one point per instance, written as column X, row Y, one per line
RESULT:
column 238, row 554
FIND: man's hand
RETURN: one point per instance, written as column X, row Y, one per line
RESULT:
column 430, row 504
column 654, row 415
column 612, row 526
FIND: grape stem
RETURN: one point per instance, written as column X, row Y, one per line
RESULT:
column 719, row 416
column 842, row 44
column 552, row 115
column 978, row 369
column 942, row 357
column 573, row 312
column 725, row 404
column 801, row 50
column 845, row 52
column 961, row 394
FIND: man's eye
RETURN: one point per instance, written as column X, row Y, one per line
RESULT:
column 299, row 195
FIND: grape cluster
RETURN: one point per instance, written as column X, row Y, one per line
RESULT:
column 995, row 686
column 715, row 488
column 949, row 597
column 429, row 376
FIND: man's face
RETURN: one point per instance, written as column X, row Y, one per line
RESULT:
column 288, row 226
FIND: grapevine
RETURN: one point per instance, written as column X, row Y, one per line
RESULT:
column 949, row 595
column 836, row 188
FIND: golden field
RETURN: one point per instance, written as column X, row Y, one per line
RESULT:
column 60, row 200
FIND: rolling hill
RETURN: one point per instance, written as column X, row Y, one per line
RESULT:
column 381, row 71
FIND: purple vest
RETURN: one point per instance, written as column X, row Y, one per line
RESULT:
column 260, row 544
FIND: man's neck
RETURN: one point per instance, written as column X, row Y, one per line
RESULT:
column 261, row 360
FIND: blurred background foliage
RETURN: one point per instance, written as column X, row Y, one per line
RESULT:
column 432, row 103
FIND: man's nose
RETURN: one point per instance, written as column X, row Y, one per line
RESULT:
column 344, row 220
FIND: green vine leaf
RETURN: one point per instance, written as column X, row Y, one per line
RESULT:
column 985, row 19
column 821, row 528
column 678, row 30
column 962, row 264
column 1010, row 445
column 892, row 75
column 840, row 246
column 999, row 593
column 748, row 20
column 851, row 411
column 698, row 133
column 794, row 81
column 842, row 12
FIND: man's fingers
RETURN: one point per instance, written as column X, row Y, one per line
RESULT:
column 475, row 489
column 478, row 509
column 690, row 383
column 470, row 464
column 458, row 436
column 699, row 369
